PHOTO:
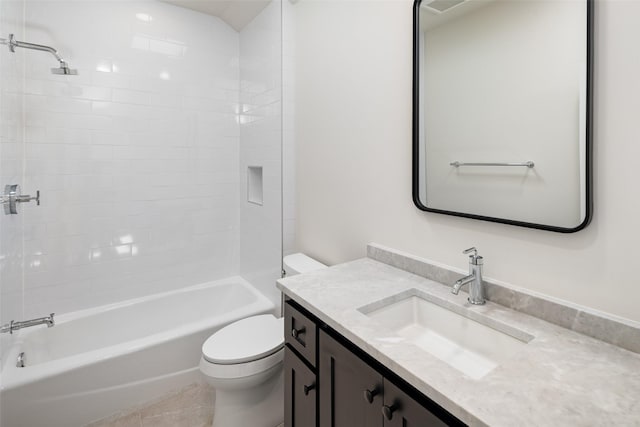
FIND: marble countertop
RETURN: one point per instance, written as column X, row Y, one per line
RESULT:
column 560, row 378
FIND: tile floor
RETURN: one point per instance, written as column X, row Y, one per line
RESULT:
column 191, row 406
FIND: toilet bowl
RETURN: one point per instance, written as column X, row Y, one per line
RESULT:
column 243, row 362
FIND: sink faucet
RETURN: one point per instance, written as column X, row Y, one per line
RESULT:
column 474, row 279
column 14, row 326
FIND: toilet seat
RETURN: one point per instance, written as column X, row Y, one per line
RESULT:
column 244, row 348
column 241, row 370
column 246, row 340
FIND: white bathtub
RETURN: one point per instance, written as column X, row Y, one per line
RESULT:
column 96, row 362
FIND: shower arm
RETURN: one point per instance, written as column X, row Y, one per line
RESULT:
column 13, row 43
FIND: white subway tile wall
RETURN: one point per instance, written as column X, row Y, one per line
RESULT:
column 261, row 145
column 136, row 157
column 141, row 158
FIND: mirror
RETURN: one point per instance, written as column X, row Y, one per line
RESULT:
column 502, row 110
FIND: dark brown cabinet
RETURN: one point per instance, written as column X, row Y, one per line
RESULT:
column 300, row 390
column 300, row 374
column 300, row 333
column 351, row 393
column 400, row 410
column 329, row 382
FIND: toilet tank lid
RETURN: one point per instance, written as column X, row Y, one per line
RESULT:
column 300, row 263
column 246, row 340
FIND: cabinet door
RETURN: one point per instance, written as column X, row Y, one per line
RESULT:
column 299, row 392
column 350, row 390
column 400, row 410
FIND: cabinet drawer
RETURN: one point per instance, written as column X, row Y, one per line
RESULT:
column 300, row 333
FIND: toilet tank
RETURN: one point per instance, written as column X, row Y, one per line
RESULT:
column 300, row 263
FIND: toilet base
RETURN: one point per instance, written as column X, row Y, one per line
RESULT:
column 261, row 405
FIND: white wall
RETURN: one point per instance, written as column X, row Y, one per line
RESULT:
column 353, row 134
column 136, row 157
column 261, row 145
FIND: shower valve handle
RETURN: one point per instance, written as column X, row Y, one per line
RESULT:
column 23, row 198
column 12, row 197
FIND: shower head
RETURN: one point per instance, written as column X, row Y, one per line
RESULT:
column 64, row 70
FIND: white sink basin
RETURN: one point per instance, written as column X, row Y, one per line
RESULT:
column 468, row 341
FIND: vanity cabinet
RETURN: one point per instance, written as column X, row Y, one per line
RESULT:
column 329, row 382
column 354, row 394
column 352, row 391
column 401, row 410
column 299, row 391
column 300, row 374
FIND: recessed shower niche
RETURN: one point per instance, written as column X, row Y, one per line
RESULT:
column 254, row 185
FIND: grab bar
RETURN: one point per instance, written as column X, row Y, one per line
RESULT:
column 528, row 164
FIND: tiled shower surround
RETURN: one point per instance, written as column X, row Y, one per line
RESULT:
column 139, row 157
column 261, row 139
column 11, row 165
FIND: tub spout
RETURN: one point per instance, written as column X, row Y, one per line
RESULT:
column 22, row 359
column 14, row 326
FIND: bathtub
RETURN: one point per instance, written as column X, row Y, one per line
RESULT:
column 95, row 362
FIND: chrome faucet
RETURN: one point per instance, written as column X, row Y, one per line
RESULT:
column 474, row 279
column 14, row 326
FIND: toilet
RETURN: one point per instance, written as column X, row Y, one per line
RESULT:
column 243, row 362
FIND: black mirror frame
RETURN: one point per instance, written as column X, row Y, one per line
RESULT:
column 588, row 135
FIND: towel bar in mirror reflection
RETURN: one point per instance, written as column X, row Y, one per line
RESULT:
column 457, row 164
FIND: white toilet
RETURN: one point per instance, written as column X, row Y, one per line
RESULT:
column 243, row 362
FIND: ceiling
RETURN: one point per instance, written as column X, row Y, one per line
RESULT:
column 430, row 18
column 236, row 13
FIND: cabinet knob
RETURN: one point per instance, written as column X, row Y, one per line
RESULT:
column 388, row 411
column 297, row 332
column 308, row 388
column 370, row 394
